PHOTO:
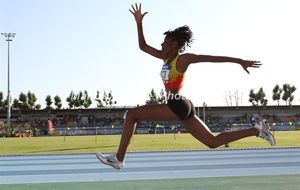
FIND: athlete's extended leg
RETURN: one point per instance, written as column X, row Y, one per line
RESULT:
column 201, row 132
column 156, row 112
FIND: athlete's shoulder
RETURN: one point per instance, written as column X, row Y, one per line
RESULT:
column 189, row 58
column 183, row 62
column 186, row 58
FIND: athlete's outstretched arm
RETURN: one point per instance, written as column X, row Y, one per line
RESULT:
column 187, row 59
column 137, row 13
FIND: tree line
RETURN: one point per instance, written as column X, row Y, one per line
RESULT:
column 284, row 93
column 82, row 99
column 258, row 98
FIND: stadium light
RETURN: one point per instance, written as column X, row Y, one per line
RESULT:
column 8, row 37
column 204, row 106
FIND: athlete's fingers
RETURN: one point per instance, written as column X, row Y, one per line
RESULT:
column 256, row 63
column 246, row 70
column 144, row 14
column 133, row 8
column 256, row 66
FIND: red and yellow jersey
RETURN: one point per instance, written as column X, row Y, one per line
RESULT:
column 172, row 79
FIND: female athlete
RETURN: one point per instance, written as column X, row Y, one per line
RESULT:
column 179, row 107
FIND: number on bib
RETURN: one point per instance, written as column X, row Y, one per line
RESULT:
column 165, row 72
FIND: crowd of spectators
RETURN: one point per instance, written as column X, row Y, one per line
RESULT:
column 113, row 121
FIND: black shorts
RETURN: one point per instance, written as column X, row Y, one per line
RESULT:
column 182, row 107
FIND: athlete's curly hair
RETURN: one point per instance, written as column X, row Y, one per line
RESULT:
column 182, row 35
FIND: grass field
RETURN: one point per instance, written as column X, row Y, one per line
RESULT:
column 286, row 182
column 109, row 143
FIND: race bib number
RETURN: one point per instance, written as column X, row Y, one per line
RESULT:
column 165, row 72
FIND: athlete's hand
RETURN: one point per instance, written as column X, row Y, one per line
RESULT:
column 246, row 64
column 137, row 13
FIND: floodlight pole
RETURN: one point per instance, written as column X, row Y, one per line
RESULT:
column 204, row 105
column 8, row 37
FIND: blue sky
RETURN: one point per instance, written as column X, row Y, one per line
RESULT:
column 64, row 45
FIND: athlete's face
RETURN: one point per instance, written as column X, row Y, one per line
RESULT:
column 169, row 46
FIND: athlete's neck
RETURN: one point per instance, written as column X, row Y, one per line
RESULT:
column 170, row 58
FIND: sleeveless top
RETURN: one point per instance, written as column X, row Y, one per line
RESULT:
column 171, row 78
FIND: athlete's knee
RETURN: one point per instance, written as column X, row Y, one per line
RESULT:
column 125, row 114
column 130, row 115
column 212, row 144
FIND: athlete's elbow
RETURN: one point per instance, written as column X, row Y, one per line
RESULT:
column 142, row 46
column 130, row 115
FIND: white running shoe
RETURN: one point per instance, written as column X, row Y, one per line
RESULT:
column 264, row 131
column 110, row 160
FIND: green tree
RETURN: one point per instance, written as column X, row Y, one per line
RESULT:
column 1, row 101
column 98, row 100
column 38, row 106
column 23, row 101
column 71, row 100
column 152, row 97
column 57, row 102
column 48, row 102
column 277, row 93
column 31, row 98
column 87, row 102
column 258, row 98
column 288, row 91
column 16, row 103
column 105, row 99
column 108, row 99
column 5, row 103
column 78, row 102
column 253, row 98
column 262, row 97
column 156, row 99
